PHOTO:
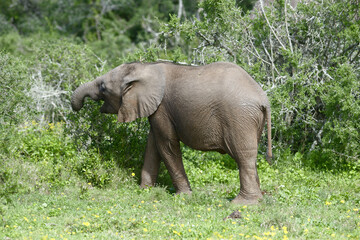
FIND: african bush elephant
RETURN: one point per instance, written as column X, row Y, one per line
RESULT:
column 216, row 107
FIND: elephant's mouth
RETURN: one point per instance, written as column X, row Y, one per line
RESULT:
column 108, row 108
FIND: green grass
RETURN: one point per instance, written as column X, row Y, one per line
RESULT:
column 298, row 204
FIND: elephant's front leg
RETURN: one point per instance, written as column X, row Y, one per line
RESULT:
column 168, row 146
column 151, row 166
column 171, row 154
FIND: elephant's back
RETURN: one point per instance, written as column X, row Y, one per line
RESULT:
column 215, row 84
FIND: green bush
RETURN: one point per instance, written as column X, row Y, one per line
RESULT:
column 58, row 68
column 53, row 160
column 13, row 102
column 45, row 144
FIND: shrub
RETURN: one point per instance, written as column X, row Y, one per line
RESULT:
column 13, row 101
column 58, row 68
column 54, row 159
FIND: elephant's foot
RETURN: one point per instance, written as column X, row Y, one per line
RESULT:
column 148, row 180
column 246, row 200
column 182, row 185
column 188, row 192
column 146, row 184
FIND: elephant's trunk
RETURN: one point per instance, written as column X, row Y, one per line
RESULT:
column 90, row 89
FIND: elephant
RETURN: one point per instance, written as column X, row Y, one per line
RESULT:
column 214, row 107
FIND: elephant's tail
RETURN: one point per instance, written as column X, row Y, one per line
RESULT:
column 269, row 148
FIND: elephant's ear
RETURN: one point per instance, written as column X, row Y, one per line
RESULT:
column 142, row 90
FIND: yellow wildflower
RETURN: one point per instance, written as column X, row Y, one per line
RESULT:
column 86, row 224
column 51, row 125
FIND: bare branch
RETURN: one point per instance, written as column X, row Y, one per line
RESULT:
column 270, row 26
column 180, row 10
column 221, row 45
column 287, row 28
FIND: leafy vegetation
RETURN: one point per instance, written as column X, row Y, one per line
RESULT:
column 75, row 175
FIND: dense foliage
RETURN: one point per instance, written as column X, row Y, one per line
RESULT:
column 306, row 58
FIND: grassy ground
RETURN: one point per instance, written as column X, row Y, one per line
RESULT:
column 298, row 204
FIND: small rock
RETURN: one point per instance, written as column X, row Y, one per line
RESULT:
column 236, row 214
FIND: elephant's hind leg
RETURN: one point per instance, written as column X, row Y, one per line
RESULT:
column 152, row 161
column 250, row 191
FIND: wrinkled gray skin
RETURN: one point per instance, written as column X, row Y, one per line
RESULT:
column 217, row 107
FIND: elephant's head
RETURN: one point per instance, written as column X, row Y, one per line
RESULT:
column 131, row 90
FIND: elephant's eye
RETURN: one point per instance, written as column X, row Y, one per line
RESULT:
column 102, row 87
